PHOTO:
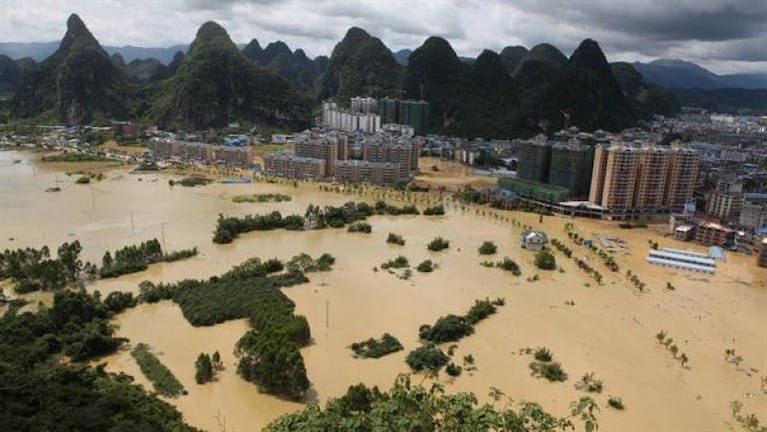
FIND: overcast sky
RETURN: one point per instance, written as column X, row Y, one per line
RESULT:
column 724, row 35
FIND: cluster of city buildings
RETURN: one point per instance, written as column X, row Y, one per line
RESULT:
column 599, row 175
column 380, row 158
column 370, row 115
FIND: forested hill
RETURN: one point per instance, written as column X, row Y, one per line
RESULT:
column 517, row 92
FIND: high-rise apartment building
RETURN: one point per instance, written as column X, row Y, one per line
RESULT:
column 571, row 167
column 635, row 181
column 683, row 176
column 534, row 160
column 651, row 178
column 406, row 112
column 364, row 105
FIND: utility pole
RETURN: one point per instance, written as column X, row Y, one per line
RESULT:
column 162, row 233
column 327, row 313
column 132, row 225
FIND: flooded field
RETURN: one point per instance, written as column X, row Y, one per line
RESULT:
column 608, row 329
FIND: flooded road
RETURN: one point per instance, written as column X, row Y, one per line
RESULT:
column 610, row 330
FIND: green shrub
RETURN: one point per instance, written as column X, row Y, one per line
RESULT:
column 83, row 180
column 375, row 348
column 615, row 402
column 396, row 263
column 509, row 265
column 545, row 260
column 543, row 354
column 551, row 371
column 395, row 239
column 360, row 227
column 448, row 328
column 438, row 210
column 481, row 310
column 426, row 357
column 453, row 370
column 426, row 266
column 488, row 248
column 438, row 244
column 590, row 384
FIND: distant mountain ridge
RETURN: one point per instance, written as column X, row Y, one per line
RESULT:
column 673, row 73
column 39, row 51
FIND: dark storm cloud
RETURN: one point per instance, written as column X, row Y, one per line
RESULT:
column 703, row 20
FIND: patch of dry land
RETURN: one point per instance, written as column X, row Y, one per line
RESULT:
column 609, row 329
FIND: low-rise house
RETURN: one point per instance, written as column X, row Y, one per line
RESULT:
column 533, row 240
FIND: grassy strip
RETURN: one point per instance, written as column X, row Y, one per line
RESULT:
column 261, row 198
column 163, row 380
column 74, row 157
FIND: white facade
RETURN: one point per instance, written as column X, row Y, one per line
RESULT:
column 349, row 121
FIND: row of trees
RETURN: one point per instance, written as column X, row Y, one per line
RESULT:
column 131, row 259
column 162, row 379
column 36, row 269
column 315, row 217
column 668, row 342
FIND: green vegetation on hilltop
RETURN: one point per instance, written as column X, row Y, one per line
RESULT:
column 360, row 65
column 216, row 84
column 45, row 380
column 77, row 84
column 163, row 380
column 431, row 409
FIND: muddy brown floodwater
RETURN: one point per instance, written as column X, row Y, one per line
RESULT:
column 610, row 330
